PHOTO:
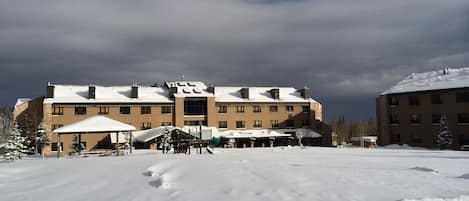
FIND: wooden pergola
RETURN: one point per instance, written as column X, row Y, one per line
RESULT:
column 96, row 124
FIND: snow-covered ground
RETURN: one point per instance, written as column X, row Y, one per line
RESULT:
column 313, row 173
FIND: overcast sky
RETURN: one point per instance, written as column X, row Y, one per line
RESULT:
column 347, row 52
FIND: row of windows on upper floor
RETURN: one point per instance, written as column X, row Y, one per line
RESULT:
column 258, row 108
column 221, row 124
column 258, row 124
column 125, row 110
column 435, row 99
column 81, row 110
column 415, row 118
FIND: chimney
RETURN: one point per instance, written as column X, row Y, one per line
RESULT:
column 134, row 91
column 50, row 90
column 305, row 93
column 275, row 93
column 245, row 93
column 211, row 89
column 173, row 90
column 91, row 92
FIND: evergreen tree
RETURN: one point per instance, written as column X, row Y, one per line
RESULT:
column 77, row 146
column 444, row 139
column 42, row 138
column 15, row 148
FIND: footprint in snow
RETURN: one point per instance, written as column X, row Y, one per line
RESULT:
column 424, row 169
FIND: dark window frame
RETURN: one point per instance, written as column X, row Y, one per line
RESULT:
column 166, row 109
column 145, row 125
column 275, row 123
column 222, row 124
column 462, row 97
column 240, row 124
column 289, row 108
column 145, row 110
column 123, row 110
column 393, row 101
column 80, row 110
column 57, row 110
column 257, row 123
column 256, row 109
column 305, row 108
column 222, row 109
column 103, row 110
column 436, row 118
column 462, row 118
column 414, row 118
column 240, row 109
column 273, row 108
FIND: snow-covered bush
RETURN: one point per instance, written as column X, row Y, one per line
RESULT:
column 42, row 138
column 444, row 139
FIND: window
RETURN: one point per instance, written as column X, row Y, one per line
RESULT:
column 414, row 100
column 414, row 118
column 256, row 108
column 393, row 119
column 222, row 109
column 305, row 123
column 146, row 125
column 195, row 106
column 80, row 110
column 240, row 109
column 393, row 101
column 396, row 138
column 257, row 124
column 290, row 123
column 463, row 118
column 289, row 108
column 240, row 124
column 54, row 146
column 436, row 118
column 55, row 126
column 145, row 110
column 103, row 110
column 57, row 110
column 305, row 108
column 166, row 109
column 436, row 99
column 125, row 110
column 166, row 123
column 222, row 124
column 275, row 124
column 462, row 97
column 273, row 108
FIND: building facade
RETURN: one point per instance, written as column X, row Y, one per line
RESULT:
column 180, row 103
column 410, row 112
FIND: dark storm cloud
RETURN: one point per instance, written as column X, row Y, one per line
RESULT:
column 346, row 51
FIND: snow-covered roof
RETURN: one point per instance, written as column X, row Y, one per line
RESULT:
column 259, row 94
column 20, row 101
column 147, row 135
column 106, row 94
column 433, row 80
column 189, row 88
column 95, row 124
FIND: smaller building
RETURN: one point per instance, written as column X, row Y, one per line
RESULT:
column 365, row 141
column 410, row 112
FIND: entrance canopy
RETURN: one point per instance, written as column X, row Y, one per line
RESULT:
column 96, row 124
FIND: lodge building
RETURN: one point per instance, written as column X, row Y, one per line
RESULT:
column 179, row 104
column 410, row 112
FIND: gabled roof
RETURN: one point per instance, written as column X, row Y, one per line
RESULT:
column 95, row 124
column 433, row 80
column 108, row 94
column 258, row 94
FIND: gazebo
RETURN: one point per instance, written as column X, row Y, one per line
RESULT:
column 96, row 124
